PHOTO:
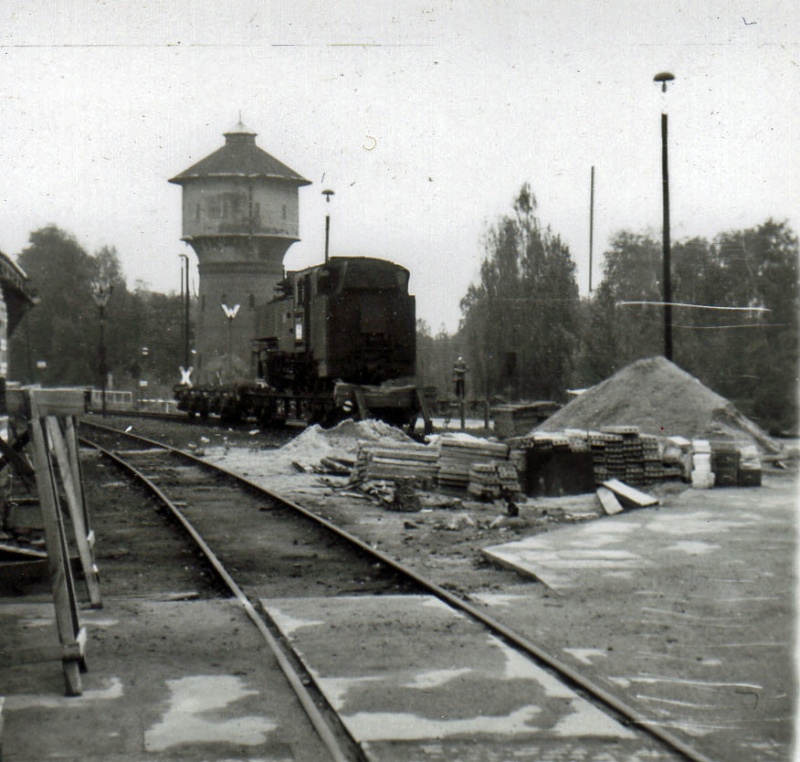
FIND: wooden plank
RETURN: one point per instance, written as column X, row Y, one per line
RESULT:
column 630, row 494
column 8, row 552
column 73, row 449
column 77, row 511
column 48, row 401
column 608, row 500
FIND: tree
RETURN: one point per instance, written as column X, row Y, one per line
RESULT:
column 755, row 362
column 521, row 320
column 63, row 329
column 749, row 357
column 620, row 333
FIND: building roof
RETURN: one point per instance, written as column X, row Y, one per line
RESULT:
column 16, row 290
column 240, row 157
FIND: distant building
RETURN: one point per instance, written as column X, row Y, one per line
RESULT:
column 240, row 215
column 16, row 299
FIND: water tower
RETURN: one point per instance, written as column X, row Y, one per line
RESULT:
column 240, row 215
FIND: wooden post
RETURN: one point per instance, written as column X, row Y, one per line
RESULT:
column 40, row 407
column 425, row 410
column 73, row 488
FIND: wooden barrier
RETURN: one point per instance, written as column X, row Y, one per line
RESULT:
column 51, row 417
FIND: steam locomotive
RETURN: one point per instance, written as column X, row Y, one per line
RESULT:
column 338, row 340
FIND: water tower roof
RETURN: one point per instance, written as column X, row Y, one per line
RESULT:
column 240, row 157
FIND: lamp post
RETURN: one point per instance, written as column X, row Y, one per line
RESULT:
column 101, row 293
column 143, row 381
column 327, row 194
column 230, row 314
column 663, row 78
column 185, row 307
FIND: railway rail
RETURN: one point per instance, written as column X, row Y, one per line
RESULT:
column 298, row 555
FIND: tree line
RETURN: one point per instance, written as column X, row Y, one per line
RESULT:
column 58, row 341
column 525, row 331
column 527, row 334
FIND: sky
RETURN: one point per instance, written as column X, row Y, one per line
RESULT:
column 424, row 118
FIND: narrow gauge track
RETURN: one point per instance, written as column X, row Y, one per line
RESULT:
column 299, row 554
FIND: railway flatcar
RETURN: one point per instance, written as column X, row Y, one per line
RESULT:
column 338, row 340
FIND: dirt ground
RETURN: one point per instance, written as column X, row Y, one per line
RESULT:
column 442, row 541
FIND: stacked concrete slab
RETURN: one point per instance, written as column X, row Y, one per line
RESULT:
column 457, row 456
column 397, row 462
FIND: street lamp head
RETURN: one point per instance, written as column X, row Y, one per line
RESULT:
column 328, row 193
column 663, row 77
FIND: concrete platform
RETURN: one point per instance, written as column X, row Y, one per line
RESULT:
column 412, row 679
column 154, row 690
column 686, row 612
column 625, row 545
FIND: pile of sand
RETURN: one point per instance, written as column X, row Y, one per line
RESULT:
column 342, row 440
column 660, row 398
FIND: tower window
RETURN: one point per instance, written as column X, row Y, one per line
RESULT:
column 284, row 211
column 251, row 301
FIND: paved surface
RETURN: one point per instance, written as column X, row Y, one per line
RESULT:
column 145, row 695
column 686, row 612
column 413, row 679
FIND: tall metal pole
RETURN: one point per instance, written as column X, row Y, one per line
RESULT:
column 185, row 307
column 101, row 292
column 102, row 352
column 187, row 355
column 183, row 323
column 327, row 194
column 667, row 257
column 663, row 78
column 591, row 228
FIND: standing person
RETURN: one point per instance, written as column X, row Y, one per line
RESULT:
column 459, row 377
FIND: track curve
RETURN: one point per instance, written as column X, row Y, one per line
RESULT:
column 393, row 578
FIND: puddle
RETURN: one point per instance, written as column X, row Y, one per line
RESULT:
column 197, row 714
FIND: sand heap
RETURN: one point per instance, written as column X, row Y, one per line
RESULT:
column 660, row 398
column 342, row 440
